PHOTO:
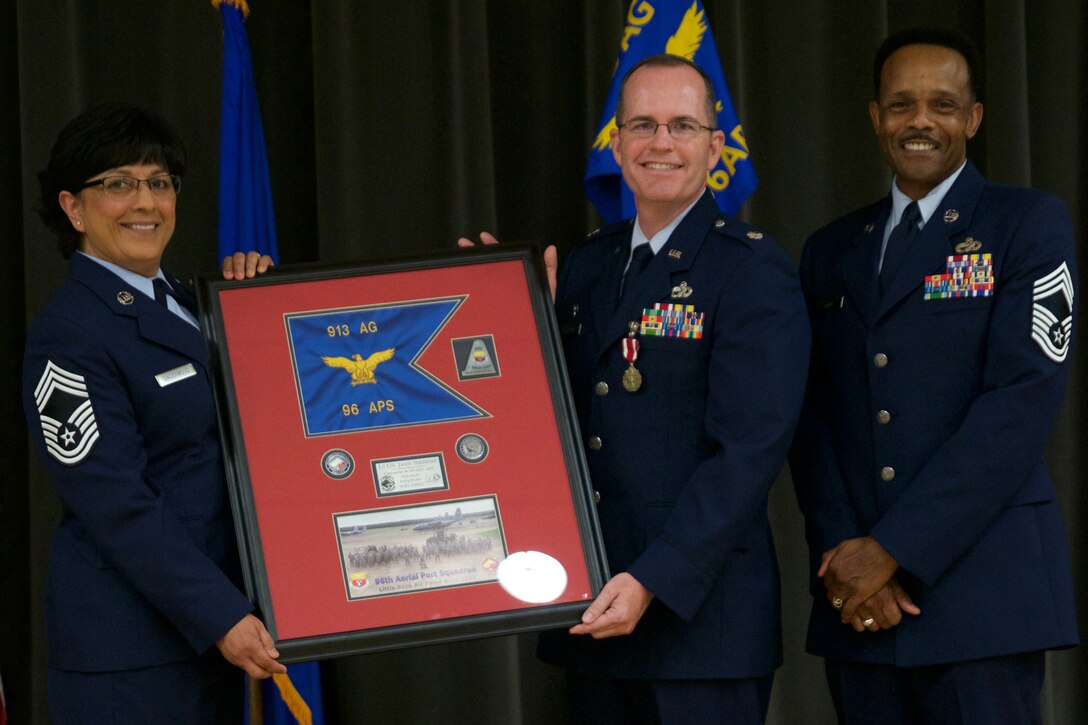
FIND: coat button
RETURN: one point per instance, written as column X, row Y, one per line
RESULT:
column 883, row 417
column 880, row 359
column 601, row 388
column 594, row 443
column 887, row 473
column 596, row 497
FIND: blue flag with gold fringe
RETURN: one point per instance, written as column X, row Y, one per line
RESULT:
column 678, row 27
column 246, row 222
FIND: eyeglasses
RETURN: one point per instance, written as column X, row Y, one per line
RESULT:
column 161, row 185
column 683, row 128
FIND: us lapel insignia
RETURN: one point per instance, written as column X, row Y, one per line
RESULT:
column 869, row 228
column 755, row 235
column 125, row 297
column 674, row 253
column 968, row 245
column 951, row 215
column 719, row 223
column 681, row 291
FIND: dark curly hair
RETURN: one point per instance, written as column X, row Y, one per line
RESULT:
column 99, row 139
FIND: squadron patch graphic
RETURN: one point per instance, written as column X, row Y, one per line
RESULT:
column 67, row 417
column 475, row 357
column 1052, row 313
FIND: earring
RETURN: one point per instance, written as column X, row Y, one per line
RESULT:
column 79, row 222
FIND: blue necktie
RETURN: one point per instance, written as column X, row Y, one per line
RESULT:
column 162, row 291
column 899, row 242
column 640, row 259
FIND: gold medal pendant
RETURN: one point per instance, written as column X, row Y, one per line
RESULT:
column 632, row 378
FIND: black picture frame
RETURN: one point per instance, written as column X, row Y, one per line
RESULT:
column 279, row 407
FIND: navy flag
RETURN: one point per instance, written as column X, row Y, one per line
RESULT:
column 246, row 223
column 677, row 27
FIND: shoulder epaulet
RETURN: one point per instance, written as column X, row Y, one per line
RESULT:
column 609, row 230
column 737, row 229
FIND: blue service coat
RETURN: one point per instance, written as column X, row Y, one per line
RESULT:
column 927, row 420
column 144, row 565
column 684, row 465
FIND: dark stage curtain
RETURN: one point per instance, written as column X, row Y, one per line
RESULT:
column 393, row 128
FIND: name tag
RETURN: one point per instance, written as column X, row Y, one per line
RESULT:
column 176, row 375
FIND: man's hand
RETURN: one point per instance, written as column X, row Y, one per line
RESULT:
column 486, row 237
column 884, row 609
column 249, row 646
column 242, row 265
column 853, row 571
column 616, row 610
column 551, row 256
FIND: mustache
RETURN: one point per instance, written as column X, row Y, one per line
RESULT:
column 916, row 136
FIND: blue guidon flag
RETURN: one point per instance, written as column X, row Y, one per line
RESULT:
column 357, row 368
column 677, row 27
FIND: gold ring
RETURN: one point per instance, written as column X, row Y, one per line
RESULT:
column 868, row 623
column 836, row 603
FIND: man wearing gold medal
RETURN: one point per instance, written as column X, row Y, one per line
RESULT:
column 687, row 342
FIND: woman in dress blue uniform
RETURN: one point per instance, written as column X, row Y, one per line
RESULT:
column 145, row 616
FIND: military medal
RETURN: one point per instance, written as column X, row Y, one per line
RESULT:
column 632, row 378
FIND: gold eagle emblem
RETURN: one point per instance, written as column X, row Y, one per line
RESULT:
column 689, row 36
column 685, row 42
column 361, row 371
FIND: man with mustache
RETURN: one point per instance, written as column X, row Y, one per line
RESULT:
column 941, row 321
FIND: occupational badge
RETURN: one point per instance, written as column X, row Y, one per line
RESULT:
column 968, row 245
column 681, row 291
column 1052, row 313
column 66, row 414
